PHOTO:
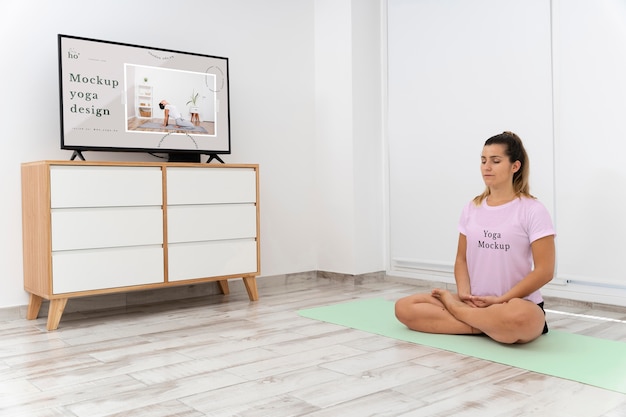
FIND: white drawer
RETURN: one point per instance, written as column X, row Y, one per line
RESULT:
column 105, row 186
column 211, row 259
column 212, row 222
column 210, row 185
column 106, row 268
column 106, row 227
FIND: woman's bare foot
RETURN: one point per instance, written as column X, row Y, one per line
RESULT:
column 452, row 303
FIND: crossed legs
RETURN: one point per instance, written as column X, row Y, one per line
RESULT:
column 517, row 321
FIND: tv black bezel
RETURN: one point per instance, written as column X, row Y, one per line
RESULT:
column 191, row 154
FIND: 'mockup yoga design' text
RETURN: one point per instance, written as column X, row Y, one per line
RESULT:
column 89, row 96
column 493, row 245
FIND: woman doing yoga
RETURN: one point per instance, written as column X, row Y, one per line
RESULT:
column 505, row 255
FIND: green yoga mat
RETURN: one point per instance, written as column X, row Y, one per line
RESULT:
column 589, row 360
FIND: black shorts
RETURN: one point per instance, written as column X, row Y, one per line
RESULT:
column 545, row 323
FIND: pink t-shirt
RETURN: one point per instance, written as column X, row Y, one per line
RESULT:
column 498, row 243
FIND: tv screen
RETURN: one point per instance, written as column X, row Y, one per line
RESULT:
column 122, row 97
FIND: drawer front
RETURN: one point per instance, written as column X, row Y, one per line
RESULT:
column 212, row 222
column 106, row 268
column 106, row 227
column 211, row 259
column 105, row 186
column 210, row 185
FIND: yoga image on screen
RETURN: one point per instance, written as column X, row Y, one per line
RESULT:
column 186, row 98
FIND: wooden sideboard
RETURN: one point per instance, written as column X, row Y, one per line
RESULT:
column 94, row 228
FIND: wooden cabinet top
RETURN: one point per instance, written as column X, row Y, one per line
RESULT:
column 138, row 164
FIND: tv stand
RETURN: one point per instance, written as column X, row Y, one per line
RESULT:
column 143, row 226
column 213, row 156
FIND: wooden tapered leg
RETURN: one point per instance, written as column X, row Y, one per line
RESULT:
column 34, row 304
column 224, row 286
column 55, row 312
column 253, row 292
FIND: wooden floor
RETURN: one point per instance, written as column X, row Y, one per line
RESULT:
column 226, row 356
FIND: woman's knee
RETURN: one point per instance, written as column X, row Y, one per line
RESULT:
column 524, row 321
column 402, row 309
column 406, row 308
column 407, row 305
column 525, row 311
column 417, row 311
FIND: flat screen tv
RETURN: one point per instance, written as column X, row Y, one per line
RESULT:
column 132, row 98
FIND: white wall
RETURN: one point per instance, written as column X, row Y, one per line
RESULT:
column 551, row 71
column 349, row 136
column 333, row 136
column 307, row 105
column 590, row 104
column 460, row 72
column 270, row 46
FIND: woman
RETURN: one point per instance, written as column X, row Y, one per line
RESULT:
column 505, row 255
column 172, row 111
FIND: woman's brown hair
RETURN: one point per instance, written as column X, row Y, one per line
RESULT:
column 516, row 152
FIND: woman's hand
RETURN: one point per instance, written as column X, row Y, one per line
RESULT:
column 480, row 301
column 484, row 301
column 468, row 299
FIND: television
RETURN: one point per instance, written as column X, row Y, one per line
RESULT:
column 132, row 98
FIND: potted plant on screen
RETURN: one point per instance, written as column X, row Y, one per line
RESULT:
column 194, row 102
